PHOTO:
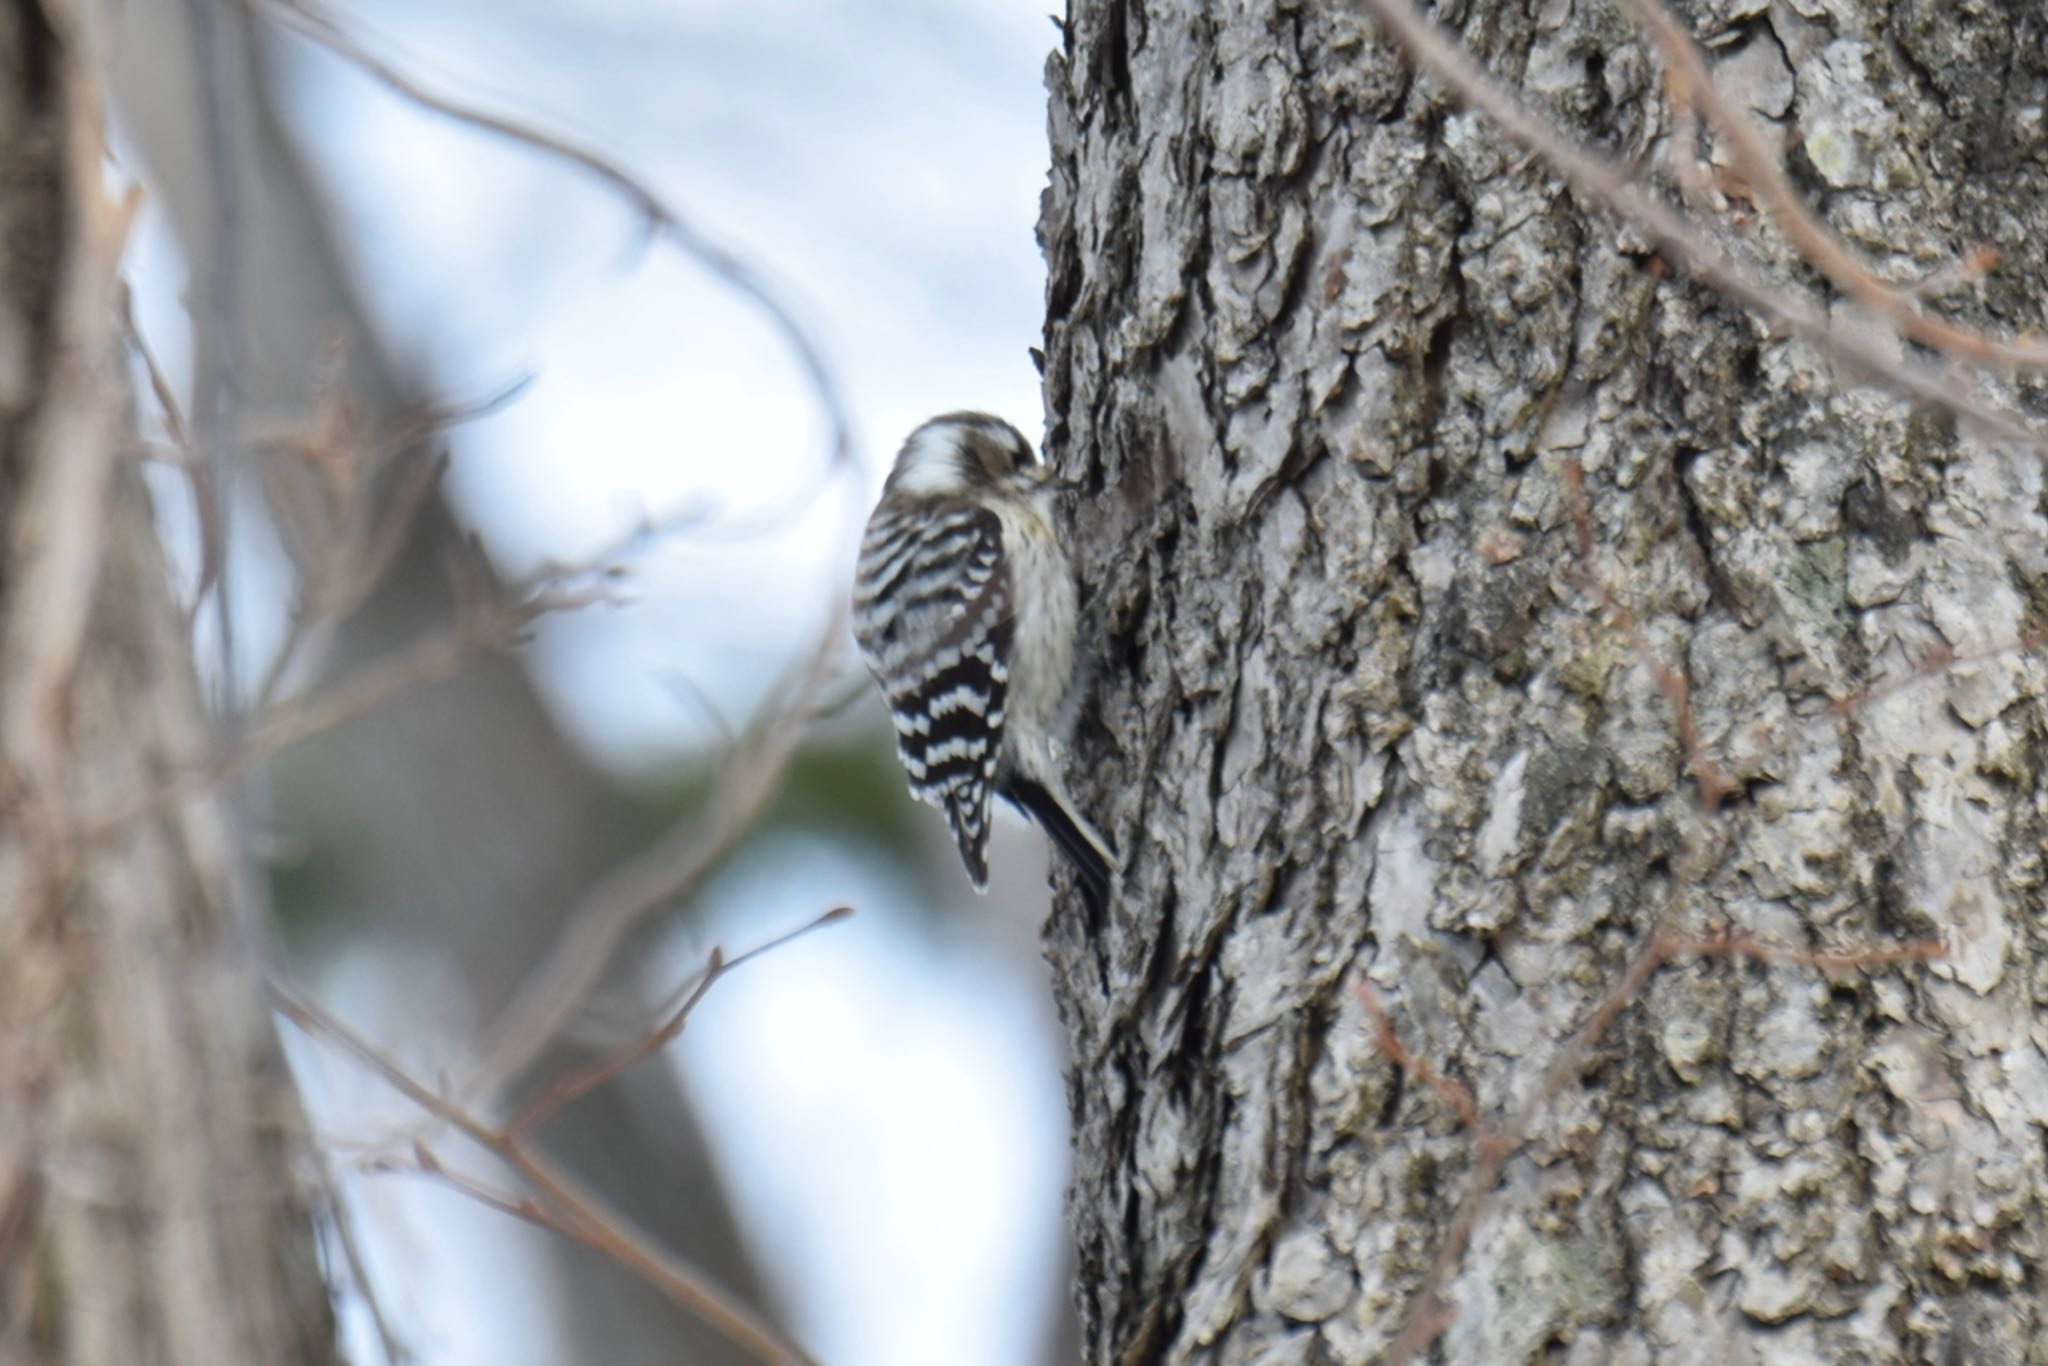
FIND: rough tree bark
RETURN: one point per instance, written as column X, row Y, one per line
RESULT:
column 150, row 1146
column 1323, row 341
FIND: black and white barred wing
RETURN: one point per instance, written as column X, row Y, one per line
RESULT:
column 934, row 621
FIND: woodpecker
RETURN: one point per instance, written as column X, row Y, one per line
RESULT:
column 964, row 609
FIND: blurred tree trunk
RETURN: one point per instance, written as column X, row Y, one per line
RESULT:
column 1325, row 341
column 458, row 819
column 150, row 1147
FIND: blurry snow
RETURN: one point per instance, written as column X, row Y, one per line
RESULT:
column 888, row 1110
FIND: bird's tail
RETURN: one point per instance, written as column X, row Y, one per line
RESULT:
column 1093, row 857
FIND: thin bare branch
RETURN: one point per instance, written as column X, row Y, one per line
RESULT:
column 665, row 872
column 168, row 408
column 662, row 218
column 1428, row 1316
column 559, row 1201
column 674, row 1017
column 342, row 1230
column 1612, row 186
column 565, row 1089
column 422, row 1162
column 1936, row 663
column 1741, row 944
column 1451, row 1091
column 480, row 627
column 1693, row 85
column 219, row 287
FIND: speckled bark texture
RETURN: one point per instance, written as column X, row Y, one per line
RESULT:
column 1322, row 342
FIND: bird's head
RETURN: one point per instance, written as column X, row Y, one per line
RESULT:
column 965, row 453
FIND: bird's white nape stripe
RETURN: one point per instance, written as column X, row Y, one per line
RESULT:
column 929, row 464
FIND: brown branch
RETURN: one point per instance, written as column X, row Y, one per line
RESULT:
column 1693, row 85
column 1611, row 185
column 1966, row 270
column 754, row 769
column 160, row 387
column 1428, row 1316
column 487, row 618
column 558, row 1200
column 345, row 533
column 1936, row 663
column 480, row 627
column 423, row 1162
column 341, row 1224
column 1742, row 944
column 1451, row 1091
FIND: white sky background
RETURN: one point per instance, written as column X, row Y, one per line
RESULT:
column 889, row 1102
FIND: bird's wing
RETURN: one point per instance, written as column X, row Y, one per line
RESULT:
column 937, row 620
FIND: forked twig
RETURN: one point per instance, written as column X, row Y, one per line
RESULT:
column 554, row 1199
column 1693, row 85
column 438, row 656
column 661, row 874
column 1428, row 1315
column 1611, row 185
column 662, row 218
column 1451, row 1091
column 565, row 1089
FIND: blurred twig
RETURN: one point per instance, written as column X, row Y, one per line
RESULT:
column 674, row 1017
column 662, row 218
column 217, row 361
column 554, row 1199
column 1428, row 1315
column 665, row 872
column 342, row 520
column 558, row 1201
column 487, row 618
column 755, row 765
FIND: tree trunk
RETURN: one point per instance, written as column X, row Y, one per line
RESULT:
column 150, row 1143
column 1326, row 342
column 458, row 818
